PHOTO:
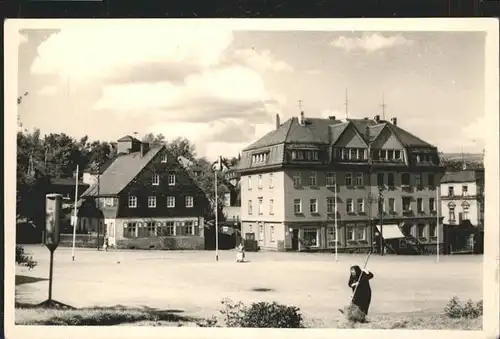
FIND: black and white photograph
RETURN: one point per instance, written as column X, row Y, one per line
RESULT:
column 176, row 177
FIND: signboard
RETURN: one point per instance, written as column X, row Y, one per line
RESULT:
column 52, row 220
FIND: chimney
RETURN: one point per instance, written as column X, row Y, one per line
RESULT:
column 377, row 119
column 144, row 148
column 332, row 117
column 302, row 120
column 366, row 118
column 394, row 121
column 278, row 124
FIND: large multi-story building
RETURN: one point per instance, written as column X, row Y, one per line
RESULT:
column 145, row 198
column 289, row 178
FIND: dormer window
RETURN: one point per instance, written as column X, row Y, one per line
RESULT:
column 164, row 158
column 260, row 158
column 304, row 155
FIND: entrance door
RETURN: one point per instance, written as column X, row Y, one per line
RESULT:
column 295, row 240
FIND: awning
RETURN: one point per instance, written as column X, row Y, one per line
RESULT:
column 391, row 231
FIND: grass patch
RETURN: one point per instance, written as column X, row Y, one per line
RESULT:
column 24, row 279
column 98, row 316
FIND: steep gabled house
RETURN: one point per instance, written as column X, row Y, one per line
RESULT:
column 381, row 173
column 145, row 199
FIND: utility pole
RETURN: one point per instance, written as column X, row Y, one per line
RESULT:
column 300, row 105
column 98, row 202
column 381, row 213
column 383, row 107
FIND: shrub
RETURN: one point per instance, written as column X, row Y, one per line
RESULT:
column 257, row 315
column 354, row 314
column 23, row 259
column 456, row 309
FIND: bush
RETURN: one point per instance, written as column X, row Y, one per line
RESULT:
column 456, row 309
column 257, row 315
column 23, row 259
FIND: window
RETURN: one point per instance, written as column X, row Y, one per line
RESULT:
column 432, row 205
column 392, row 205
column 451, row 208
column 312, row 179
column 188, row 228
column 271, row 206
column 132, row 201
column 380, row 179
column 272, row 233
column 315, row 155
column 189, row 202
column 451, row 191
column 331, row 236
column 227, row 199
column 351, row 235
column 421, row 230
column 311, row 237
column 418, row 181
column 397, row 155
column 354, row 154
column 390, row 180
column 420, row 206
column 156, row 179
column 349, row 207
column 170, row 202
column 164, row 158
column 271, row 180
column 430, row 179
column 361, row 154
column 109, row 202
column 261, row 233
column 330, row 205
column 151, row 201
column 464, row 190
column 360, row 205
column 130, row 229
column 405, row 179
column 359, row 179
column 406, row 204
column 348, row 179
column 297, row 182
column 432, row 231
column 383, row 154
column 260, row 206
column 330, row 179
column 465, row 210
column 313, row 205
column 167, row 229
column 390, row 154
column 150, row 229
column 171, row 179
column 361, row 233
column 249, row 182
column 250, row 207
column 259, row 182
column 345, row 154
column 297, row 206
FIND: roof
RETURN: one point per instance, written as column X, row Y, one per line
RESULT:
column 128, row 138
column 121, row 172
column 66, row 182
column 462, row 176
column 328, row 131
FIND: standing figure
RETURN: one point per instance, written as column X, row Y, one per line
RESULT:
column 359, row 281
column 106, row 244
column 240, row 251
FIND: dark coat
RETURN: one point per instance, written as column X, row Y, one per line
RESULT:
column 363, row 293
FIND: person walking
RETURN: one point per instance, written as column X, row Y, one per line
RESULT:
column 359, row 282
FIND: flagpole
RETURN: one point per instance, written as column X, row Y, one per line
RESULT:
column 75, row 220
column 437, row 221
column 216, row 214
column 336, row 223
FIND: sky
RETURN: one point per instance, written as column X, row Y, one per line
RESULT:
column 222, row 89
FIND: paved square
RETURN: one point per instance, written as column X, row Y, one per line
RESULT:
column 194, row 282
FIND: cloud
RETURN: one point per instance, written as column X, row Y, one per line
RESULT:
column 48, row 90
column 103, row 50
column 260, row 60
column 474, row 132
column 22, row 39
column 369, row 43
column 212, row 94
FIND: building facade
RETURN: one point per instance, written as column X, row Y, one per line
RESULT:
column 298, row 177
column 462, row 198
column 145, row 199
